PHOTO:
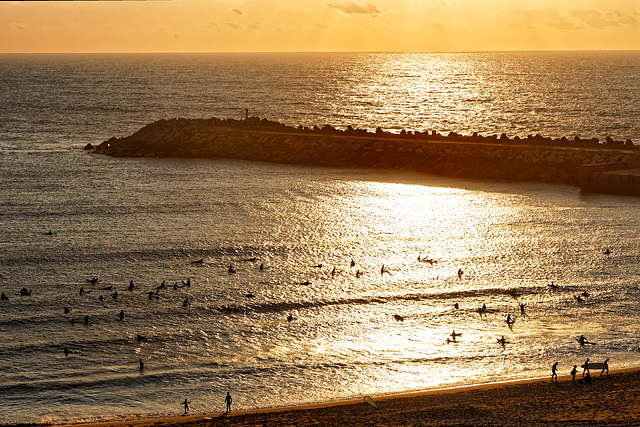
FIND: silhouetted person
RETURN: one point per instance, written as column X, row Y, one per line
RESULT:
column 554, row 372
column 605, row 367
column 586, row 368
column 141, row 365
column 523, row 313
column 510, row 321
column 121, row 315
column 86, row 320
column 131, row 285
column 3, row 297
column 186, row 406
column 574, row 371
column 460, row 273
column 66, row 351
column 228, row 401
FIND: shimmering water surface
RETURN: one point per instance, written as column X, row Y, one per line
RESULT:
column 148, row 220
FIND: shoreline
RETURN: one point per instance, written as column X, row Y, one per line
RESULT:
column 612, row 399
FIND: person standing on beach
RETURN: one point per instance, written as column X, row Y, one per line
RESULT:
column 228, row 401
column 574, row 371
column 554, row 373
column 586, row 368
column 186, row 406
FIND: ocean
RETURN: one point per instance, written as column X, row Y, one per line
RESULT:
column 274, row 287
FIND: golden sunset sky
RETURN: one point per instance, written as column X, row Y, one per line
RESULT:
column 318, row 25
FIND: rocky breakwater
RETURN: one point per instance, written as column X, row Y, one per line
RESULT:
column 473, row 156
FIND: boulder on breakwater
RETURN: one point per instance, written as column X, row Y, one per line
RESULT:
column 534, row 158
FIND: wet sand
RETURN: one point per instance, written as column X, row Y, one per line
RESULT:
column 612, row 400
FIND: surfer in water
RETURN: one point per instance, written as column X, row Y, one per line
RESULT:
column 510, row 321
column 582, row 340
column 502, row 341
column 523, row 313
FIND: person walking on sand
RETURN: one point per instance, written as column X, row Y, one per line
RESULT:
column 228, row 401
column 574, row 371
column 186, row 406
column 554, row 372
column 586, row 368
column 605, row 367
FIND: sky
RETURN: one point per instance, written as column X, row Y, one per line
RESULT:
column 318, row 25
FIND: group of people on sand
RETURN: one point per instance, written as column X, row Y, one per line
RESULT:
column 586, row 372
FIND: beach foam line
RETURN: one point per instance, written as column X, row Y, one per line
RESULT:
column 203, row 418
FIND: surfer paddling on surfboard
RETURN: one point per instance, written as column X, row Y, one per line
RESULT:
column 582, row 340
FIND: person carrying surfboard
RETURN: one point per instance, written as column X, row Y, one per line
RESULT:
column 586, row 368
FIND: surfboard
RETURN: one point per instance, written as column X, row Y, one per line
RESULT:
column 596, row 366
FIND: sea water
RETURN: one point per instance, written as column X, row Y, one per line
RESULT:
column 68, row 216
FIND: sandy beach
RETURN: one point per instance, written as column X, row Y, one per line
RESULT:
column 605, row 401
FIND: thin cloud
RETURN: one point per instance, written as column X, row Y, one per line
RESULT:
column 237, row 11
column 350, row 7
column 596, row 19
column 548, row 17
column 234, row 26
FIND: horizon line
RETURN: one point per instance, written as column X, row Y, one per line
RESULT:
column 318, row 51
